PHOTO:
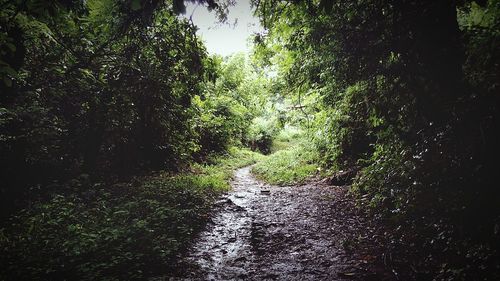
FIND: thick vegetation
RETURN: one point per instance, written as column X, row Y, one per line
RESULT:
column 122, row 231
column 118, row 130
column 85, row 95
column 292, row 162
column 408, row 93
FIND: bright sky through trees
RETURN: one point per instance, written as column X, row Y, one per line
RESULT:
column 225, row 39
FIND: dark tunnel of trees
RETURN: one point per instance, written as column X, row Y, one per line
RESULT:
column 97, row 96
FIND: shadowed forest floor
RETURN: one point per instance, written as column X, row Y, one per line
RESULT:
column 263, row 232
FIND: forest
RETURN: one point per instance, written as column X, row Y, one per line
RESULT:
column 120, row 133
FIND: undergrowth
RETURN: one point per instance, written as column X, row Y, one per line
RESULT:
column 292, row 165
column 120, row 232
column 286, row 138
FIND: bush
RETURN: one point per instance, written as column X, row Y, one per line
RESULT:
column 68, row 111
column 222, row 123
column 344, row 132
column 261, row 133
column 121, row 232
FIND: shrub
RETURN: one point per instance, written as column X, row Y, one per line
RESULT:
column 261, row 133
column 222, row 123
column 126, row 231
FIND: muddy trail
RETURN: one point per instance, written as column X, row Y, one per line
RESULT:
column 263, row 232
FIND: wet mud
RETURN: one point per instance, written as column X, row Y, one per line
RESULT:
column 263, row 232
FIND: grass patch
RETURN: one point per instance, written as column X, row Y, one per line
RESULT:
column 290, row 166
column 120, row 232
column 220, row 167
column 287, row 138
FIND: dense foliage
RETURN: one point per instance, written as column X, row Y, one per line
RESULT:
column 85, row 94
column 95, row 95
column 124, row 231
column 408, row 92
column 227, row 105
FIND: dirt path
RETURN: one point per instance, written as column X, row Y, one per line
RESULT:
column 261, row 232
